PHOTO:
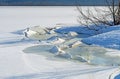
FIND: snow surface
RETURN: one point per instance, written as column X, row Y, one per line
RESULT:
column 15, row 64
column 109, row 39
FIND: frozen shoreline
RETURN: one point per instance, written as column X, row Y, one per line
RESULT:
column 15, row 64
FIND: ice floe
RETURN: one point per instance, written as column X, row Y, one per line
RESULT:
column 73, row 34
column 56, row 40
column 39, row 33
column 55, row 49
column 75, row 44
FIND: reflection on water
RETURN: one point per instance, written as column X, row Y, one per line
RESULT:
column 94, row 54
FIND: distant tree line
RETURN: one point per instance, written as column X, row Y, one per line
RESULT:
column 52, row 2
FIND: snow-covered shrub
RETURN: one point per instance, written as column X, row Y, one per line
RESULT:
column 100, row 16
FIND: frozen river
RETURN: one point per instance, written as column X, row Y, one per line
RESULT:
column 17, row 17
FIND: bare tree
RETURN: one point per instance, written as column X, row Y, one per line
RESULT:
column 118, row 15
column 108, row 15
